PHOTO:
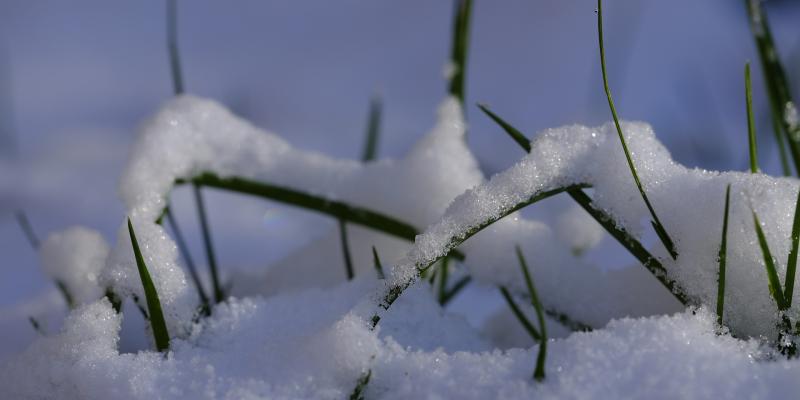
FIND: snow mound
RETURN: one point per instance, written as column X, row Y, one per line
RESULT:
column 75, row 258
column 689, row 202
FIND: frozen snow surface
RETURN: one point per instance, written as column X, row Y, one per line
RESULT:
column 298, row 329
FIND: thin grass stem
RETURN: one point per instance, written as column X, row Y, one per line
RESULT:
column 444, row 271
column 515, row 134
column 539, row 373
column 219, row 294
column 721, row 257
column 460, row 47
column 348, row 261
column 777, row 85
column 523, row 320
column 791, row 264
column 184, row 250
column 455, row 290
column 27, row 229
column 657, row 225
column 377, row 263
column 373, row 129
column 751, row 124
column 351, row 214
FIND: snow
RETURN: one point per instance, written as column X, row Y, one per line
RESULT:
column 258, row 348
column 75, row 257
column 299, row 330
column 583, row 155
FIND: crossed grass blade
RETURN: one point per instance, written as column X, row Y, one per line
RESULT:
column 156, row 316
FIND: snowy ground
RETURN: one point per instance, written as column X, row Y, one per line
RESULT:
column 295, row 328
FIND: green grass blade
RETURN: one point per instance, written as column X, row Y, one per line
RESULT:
column 791, row 264
column 751, row 124
column 769, row 264
column 721, row 258
column 523, row 320
column 178, row 89
column 538, row 374
column 30, row 235
column 184, row 250
column 657, row 225
column 515, row 134
column 36, row 326
column 460, row 46
column 116, row 302
column 361, row 385
column 377, row 263
column 348, row 261
column 27, row 229
column 155, row 314
column 444, row 271
column 219, row 294
column 172, row 46
column 373, row 129
column 778, row 90
column 351, row 214
column 569, row 322
column 62, row 287
column 631, row 244
column 455, row 290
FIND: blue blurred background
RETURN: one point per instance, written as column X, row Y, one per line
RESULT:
column 78, row 77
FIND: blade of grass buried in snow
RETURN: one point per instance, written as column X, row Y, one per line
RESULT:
column 621, row 235
column 373, row 129
column 657, row 225
column 515, row 134
column 348, row 262
column 721, row 257
column 116, row 302
column 219, row 295
column 455, row 289
column 791, row 264
column 396, row 290
column 377, row 263
column 538, row 374
column 361, row 385
column 157, row 322
column 337, row 209
column 769, row 264
column 184, row 250
column 631, row 244
column 444, row 271
column 523, row 320
column 460, row 46
column 778, row 91
column 751, row 124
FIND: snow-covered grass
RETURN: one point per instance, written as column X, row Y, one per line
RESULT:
column 361, row 312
